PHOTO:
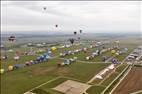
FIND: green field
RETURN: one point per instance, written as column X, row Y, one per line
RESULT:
column 47, row 88
column 11, row 61
column 95, row 89
column 114, row 75
column 60, row 50
column 23, row 59
column 24, row 79
column 81, row 55
column 98, row 88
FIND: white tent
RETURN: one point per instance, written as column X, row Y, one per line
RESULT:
column 10, row 50
column 16, row 57
column 99, row 77
column 94, row 54
column 111, row 67
column 87, row 58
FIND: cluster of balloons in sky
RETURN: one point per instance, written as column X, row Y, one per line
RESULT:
column 13, row 38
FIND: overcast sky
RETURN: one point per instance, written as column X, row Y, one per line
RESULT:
column 90, row 16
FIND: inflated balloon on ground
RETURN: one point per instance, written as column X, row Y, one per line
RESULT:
column 10, row 68
column 53, row 48
column 1, row 71
column 113, row 51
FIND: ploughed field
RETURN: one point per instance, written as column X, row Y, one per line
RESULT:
column 131, row 83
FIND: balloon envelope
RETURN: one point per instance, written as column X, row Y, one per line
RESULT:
column 10, row 68
column 44, row 8
column 71, row 40
column 113, row 51
column 1, row 71
column 11, row 38
column 80, row 31
column 56, row 25
column 75, row 33
column 53, row 48
column 117, row 53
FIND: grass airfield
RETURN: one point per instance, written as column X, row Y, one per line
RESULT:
column 27, row 78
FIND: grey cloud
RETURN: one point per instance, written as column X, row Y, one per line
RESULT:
column 71, row 15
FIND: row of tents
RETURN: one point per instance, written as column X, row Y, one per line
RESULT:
column 85, row 49
column 20, row 53
column 105, row 71
column 98, row 52
column 72, row 52
column 135, row 55
column 40, row 59
column 67, row 61
column 113, row 50
column 112, row 66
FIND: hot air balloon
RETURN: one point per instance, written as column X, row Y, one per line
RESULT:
column 80, row 31
column 10, row 68
column 44, row 8
column 71, row 40
column 75, row 33
column 98, row 51
column 78, row 38
column 16, row 58
column 12, row 38
column 53, row 48
column 56, row 25
column 5, row 57
column 113, row 51
column 18, row 53
column 104, row 58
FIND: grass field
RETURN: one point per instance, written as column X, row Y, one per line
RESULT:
column 29, row 77
column 99, row 87
column 48, row 87
column 60, row 50
column 81, row 55
column 95, row 89
column 23, row 59
column 24, row 79
column 11, row 61
column 114, row 75
column 120, row 58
